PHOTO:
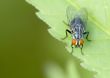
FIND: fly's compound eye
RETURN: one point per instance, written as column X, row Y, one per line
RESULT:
column 74, row 42
column 81, row 42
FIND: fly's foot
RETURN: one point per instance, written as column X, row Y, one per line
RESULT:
column 67, row 31
column 72, row 49
column 89, row 40
column 63, row 38
column 81, row 50
column 87, row 34
column 65, row 23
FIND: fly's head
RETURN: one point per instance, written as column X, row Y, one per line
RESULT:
column 77, row 42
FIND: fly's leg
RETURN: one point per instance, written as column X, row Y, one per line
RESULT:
column 81, row 50
column 87, row 34
column 65, row 23
column 67, row 31
column 71, row 48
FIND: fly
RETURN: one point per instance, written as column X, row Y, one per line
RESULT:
column 77, row 27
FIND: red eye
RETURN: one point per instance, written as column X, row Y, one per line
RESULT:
column 81, row 41
column 74, row 42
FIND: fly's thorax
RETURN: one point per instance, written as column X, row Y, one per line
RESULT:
column 78, row 31
column 77, row 35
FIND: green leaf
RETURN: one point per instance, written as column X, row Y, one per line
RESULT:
column 53, row 70
column 97, row 52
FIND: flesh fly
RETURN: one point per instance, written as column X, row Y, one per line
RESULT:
column 77, row 22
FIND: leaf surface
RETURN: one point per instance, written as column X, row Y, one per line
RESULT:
column 97, row 52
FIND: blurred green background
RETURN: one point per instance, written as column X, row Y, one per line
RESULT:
column 25, row 44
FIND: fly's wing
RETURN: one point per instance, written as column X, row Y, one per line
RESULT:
column 70, row 12
column 83, row 14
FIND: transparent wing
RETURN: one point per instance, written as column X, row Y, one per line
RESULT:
column 83, row 14
column 73, row 13
column 70, row 12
